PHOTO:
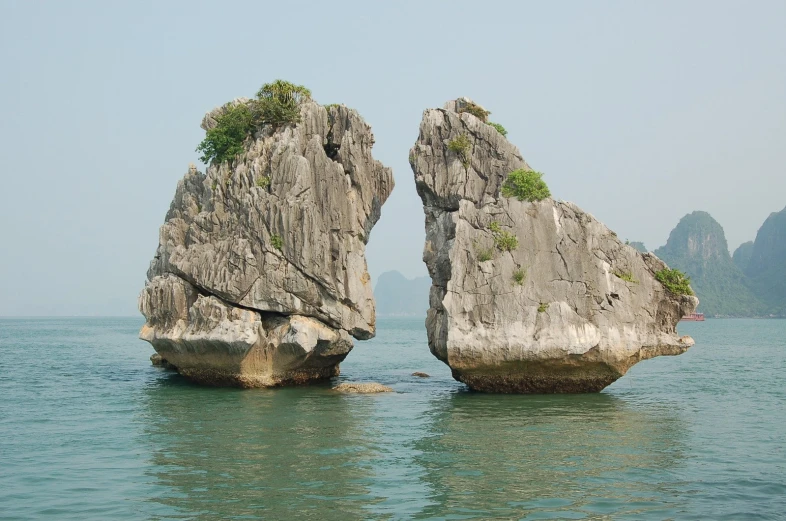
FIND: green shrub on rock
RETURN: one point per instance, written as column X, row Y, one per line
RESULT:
column 627, row 276
column 675, row 281
column 485, row 254
column 506, row 241
column 476, row 110
column 499, row 128
column 525, row 185
column 277, row 104
column 503, row 240
column 224, row 142
column 461, row 145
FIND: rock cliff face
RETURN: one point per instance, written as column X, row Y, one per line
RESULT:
column 570, row 308
column 260, row 276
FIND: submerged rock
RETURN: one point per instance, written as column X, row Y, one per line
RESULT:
column 365, row 388
column 563, row 307
column 421, row 374
column 260, row 276
column 159, row 361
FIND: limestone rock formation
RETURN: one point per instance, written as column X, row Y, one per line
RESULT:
column 570, row 308
column 260, row 276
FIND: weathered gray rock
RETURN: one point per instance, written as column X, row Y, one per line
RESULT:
column 260, row 276
column 572, row 323
column 159, row 361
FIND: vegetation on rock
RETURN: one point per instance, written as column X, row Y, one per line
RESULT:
column 506, row 241
column 626, row 276
column 277, row 103
column 499, row 128
column 224, row 142
column 525, row 185
column 461, row 145
column 543, row 307
column 485, row 254
column 503, row 240
column 519, row 276
column 276, row 241
column 476, row 110
column 675, row 281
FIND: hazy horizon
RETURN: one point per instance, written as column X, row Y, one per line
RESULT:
column 639, row 113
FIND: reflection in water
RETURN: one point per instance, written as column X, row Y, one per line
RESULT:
column 574, row 456
column 311, row 453
column 230, row 454
column 92, row 432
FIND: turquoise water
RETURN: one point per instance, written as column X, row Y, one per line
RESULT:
column 89, row 430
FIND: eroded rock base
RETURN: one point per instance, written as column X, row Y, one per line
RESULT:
column 220, row 378
column 532, row 382
column 213, row 342
column 248, row 381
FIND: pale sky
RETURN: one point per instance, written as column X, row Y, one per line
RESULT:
column 639, row 112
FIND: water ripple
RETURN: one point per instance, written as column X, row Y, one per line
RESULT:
column 90, row 430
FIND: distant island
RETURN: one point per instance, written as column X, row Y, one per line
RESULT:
column 399, row 296
column 749, row 283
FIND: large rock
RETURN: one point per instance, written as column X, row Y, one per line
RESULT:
column 260, row 276
column 570, row 309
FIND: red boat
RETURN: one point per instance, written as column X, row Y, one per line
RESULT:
column 694, row 317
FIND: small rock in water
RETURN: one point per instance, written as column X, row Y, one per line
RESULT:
column 159, row 361
column 421, row 375
column 370, row 387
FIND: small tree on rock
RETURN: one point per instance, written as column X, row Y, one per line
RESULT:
column 525, row 185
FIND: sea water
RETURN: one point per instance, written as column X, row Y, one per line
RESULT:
column 89, row 430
